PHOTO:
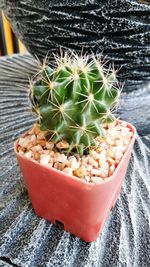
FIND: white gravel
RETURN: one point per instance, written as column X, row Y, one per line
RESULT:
column 98, row 165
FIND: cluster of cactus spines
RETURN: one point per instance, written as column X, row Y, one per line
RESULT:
column 74, row 99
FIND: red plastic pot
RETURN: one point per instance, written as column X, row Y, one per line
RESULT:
column 82, row 208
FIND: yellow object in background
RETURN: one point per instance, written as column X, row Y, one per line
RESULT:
column 9, row 44
column 8, row 35
column 22, row 48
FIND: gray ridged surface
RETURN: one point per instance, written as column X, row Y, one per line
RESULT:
column 4, row 264
column 119, row 28
column 29, row 241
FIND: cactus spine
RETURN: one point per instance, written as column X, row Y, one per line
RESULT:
column 74, row 99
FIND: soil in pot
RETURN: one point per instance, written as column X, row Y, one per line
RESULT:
column 96, row 165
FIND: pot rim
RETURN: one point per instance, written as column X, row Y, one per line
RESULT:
column 106, row 180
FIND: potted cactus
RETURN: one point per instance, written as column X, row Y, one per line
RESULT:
column 75, row 157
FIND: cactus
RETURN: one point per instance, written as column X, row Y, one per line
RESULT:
column 74, row 99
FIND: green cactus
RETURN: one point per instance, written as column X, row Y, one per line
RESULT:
column 74, row 99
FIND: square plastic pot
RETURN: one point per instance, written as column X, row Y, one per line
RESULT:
column 80, row 207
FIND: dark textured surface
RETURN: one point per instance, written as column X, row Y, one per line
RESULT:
column 3, row 263
column 29, row 241
column 119, row 28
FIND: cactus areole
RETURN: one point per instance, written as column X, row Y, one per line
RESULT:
column 74, row 98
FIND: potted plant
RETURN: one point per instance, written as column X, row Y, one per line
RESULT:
column 75, row 157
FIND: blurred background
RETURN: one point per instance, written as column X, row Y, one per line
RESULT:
column 9, row 44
